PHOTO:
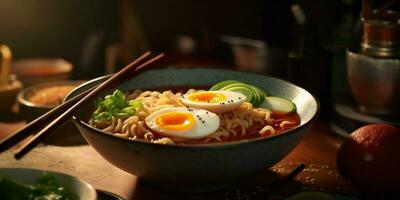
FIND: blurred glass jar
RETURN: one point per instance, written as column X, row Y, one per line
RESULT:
column 9, row 85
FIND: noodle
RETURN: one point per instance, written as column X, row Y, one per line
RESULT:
column 234, row 124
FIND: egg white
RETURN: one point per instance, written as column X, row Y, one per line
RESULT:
column 206, row 123
column 233, row 101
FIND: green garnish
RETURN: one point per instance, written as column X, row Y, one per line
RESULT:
column 46, row 187
column 115, row 105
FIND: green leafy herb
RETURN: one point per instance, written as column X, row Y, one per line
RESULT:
column 46, row 188
column 115, row 105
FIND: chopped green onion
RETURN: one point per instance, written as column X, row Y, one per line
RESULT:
column 129, row 110
column 119, row 95
column 104, row 116
column 115, row 105
column 135, row 104
column 114, row 110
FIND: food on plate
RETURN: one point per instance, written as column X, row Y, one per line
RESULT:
column 51, row 95
column 369, row 159
column 230, row 111
column 46, row 188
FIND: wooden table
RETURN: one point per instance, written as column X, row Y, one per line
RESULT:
column 317, row 151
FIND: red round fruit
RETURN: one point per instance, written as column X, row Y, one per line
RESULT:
column 370, row 159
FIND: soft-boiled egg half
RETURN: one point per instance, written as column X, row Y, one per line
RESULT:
column 214, row 101
column 183, row 122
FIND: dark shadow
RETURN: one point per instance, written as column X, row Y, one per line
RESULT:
column 10, row 117
column 66, row 135
column 256, row 187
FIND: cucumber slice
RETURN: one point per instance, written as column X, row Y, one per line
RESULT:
column 278, row 105
column 222, row 84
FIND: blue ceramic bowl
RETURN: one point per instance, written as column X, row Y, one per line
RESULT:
column 198, row 167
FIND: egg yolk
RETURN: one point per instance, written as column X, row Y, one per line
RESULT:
column 207, row 97
column 175, row 121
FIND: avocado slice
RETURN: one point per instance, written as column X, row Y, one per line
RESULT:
column 254, row 94
column 258, row 96
column 222, row 84
column 246, row 91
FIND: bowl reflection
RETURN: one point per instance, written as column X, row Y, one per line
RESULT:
column 198, row 167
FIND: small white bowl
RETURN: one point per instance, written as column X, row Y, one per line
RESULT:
column 28, row 176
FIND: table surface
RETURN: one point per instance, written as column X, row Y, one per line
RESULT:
column 317, row 150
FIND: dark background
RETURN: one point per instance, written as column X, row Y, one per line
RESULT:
column 62, row 28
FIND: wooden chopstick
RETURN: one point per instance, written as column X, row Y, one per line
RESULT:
column 35, row 125
column 278, row 185
column 40, row 122
column 69, row 112
column 275, row 187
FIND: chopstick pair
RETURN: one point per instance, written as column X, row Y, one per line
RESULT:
column 57, row 116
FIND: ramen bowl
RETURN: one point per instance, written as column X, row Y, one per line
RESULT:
column 200, row 167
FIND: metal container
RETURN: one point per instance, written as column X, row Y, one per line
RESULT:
column 374, row 68
column 374, row 82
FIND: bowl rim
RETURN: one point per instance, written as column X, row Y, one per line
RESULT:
column 203, row 145
column 63, row 66
column 38, row 170
column 21, row 96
